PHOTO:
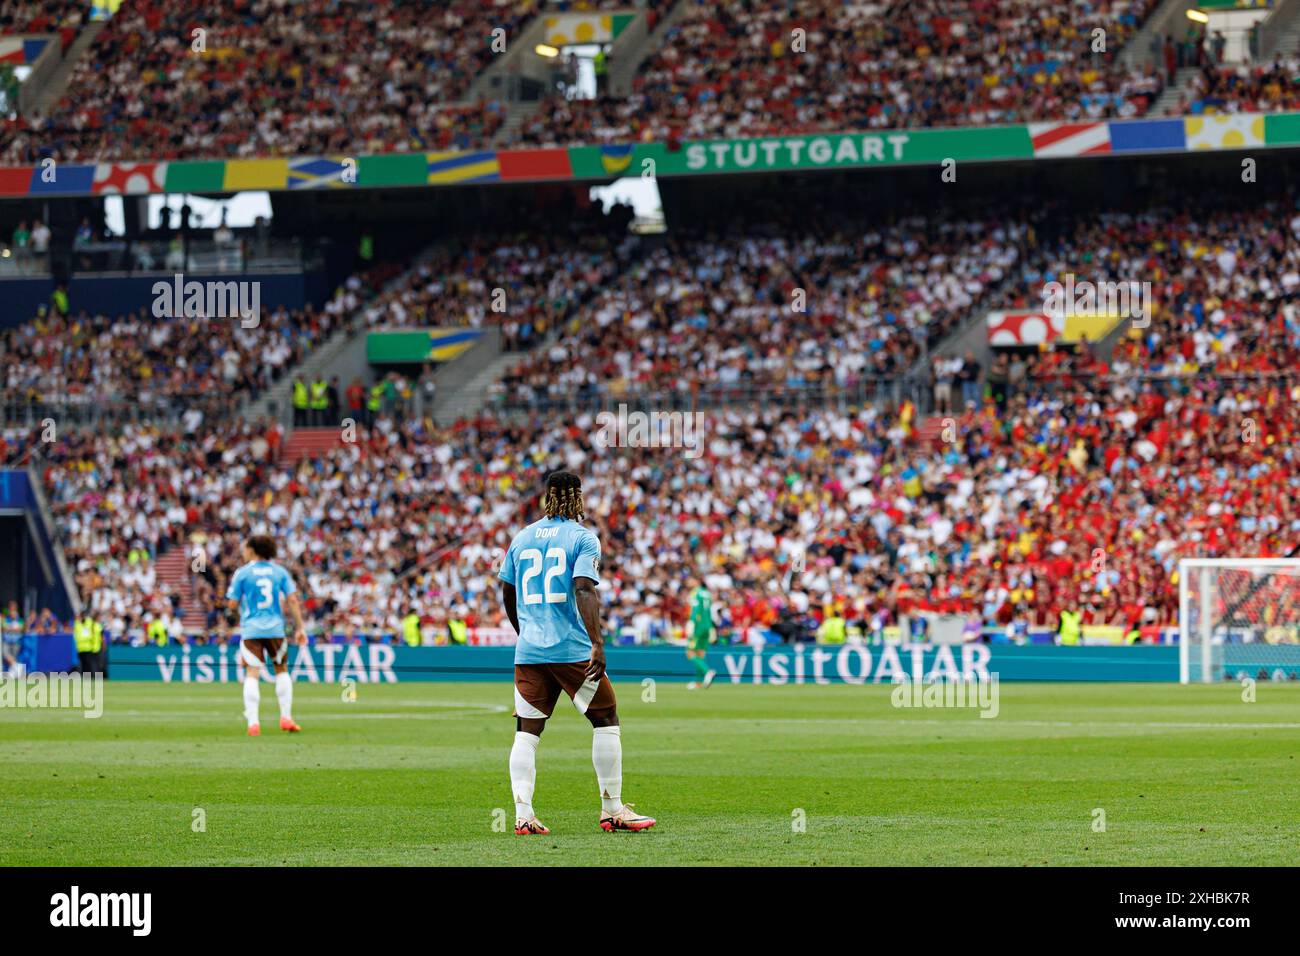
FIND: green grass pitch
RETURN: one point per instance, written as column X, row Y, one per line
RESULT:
column 412, row 774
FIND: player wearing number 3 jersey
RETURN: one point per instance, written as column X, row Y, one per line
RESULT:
column 262, row 591
column 548, row 588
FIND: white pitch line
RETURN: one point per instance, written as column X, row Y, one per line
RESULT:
column 1001, row 721
column 463, row 709
column 460, row 710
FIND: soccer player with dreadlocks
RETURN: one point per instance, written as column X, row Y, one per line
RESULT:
column 548, row 588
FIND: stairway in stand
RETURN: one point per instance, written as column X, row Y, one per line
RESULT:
column 309, row 443
column 929, row 433
column 173, row 569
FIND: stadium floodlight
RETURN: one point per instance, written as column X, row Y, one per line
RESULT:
column 1238, row 616
column 546, row 50
column 1197, row 16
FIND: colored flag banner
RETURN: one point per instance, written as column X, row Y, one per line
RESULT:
column 463, row 167
column 419, row 345
column 320, row 172
column 1069, row 139
column 129, row 178
column 603, row 162
column 568, row 29
column 1227, row 131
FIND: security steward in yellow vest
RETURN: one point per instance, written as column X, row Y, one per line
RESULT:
column 300, row 403
column 411, row 630
column 833, row 629
column 1071, row 627
column 157, row 632
column 600, row 66
column 375, row 401
column 320, row 401
column 89, row 636
column 458, row 630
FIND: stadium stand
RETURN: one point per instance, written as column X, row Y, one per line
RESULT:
column 284, row 87
column 722, row 315
column 731, row 70
column 1000, row 522
column 1246, row 88
column 1004, row 521
column 64, row 17
column 138, row 367
column 799, row 455
column 273, row 80
column 543, row 277
column 291, row 84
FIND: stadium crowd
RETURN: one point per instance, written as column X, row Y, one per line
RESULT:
column 527, row 284
column 728, row 70
column 779, row 305
column 137, row 365
column 1071, row 479
column 1244, row 88
column 64, row 17
column 339, row 76
column 1077, row 481
column 1071, row 494
column 267, row 78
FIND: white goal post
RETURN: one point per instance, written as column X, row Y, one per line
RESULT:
column 1238, row 617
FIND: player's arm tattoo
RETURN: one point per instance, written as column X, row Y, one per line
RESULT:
column 584, row 593
column 508, row 602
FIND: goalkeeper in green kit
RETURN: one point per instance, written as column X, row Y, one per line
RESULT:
column 698, row 631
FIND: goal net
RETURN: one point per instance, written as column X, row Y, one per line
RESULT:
column 1239, row 617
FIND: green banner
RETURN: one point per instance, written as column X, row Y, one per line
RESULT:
column 393, row 169
column 829, row 151
column 196, row 177
column 1281, row 128
column 795, row 153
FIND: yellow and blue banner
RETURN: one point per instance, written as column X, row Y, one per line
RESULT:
column 419, row 345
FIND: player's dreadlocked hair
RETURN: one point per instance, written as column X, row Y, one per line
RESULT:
column 563, row 496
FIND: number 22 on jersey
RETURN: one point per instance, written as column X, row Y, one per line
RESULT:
column 551, row 591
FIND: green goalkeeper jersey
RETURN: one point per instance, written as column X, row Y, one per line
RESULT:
column 701, row 616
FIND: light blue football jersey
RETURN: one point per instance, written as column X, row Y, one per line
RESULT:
column 542, row 562
column 260, row 587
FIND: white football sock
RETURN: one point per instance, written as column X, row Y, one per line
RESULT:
column 252, row 697
column 523, row 773
column 284, row 693
column 607, row 755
